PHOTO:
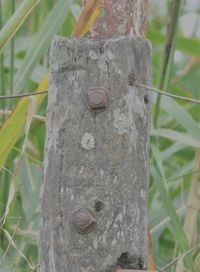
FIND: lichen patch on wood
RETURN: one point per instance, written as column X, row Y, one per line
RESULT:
column 87, row 141
column 120, row 122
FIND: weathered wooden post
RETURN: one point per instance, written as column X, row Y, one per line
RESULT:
column 95, row 183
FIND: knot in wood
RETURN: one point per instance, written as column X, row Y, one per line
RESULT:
column 97, row 99
column 84, row 220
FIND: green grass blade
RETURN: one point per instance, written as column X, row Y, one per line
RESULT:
column 12, row 57
column 16, row 20
column 41, row 42
column 190, row 46
column 2, row 76
column 14, row 125
column 167, row 202
column 176, row 136
column 12, row 128
column 174, row 109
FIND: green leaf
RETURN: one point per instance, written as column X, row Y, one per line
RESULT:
column 76, row 10
column 14, row 125
column 167, row 202
column 29, row 179
column 174, row 109
column 41, row 42
column 173, row 135
column 197, row 262
column 171, row 150
column 17, row 19
column 190, row 81
column 12, row 129
column 187, row 45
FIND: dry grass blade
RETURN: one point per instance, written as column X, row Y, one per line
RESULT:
column 197, row 262
column 190, row 224
column 9, row 244
column 151, row 265
column 11, row 241
column 35, row 116
column 87, row 18
column 181, row 257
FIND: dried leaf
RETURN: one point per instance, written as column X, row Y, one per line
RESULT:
column 87, row 18
column 151, row 265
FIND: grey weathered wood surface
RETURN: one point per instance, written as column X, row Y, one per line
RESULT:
column 96, row 156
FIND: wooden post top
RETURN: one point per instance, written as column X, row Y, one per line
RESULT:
column 95, row 179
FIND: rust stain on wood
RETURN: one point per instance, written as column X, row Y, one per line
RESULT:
column 127, row 17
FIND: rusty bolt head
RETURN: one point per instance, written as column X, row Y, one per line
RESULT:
column 97, row 99
column 84, row 220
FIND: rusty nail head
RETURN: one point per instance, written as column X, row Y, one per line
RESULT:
column 97, row 99
column 84, row 220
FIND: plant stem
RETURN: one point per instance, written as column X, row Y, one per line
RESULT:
column 2, row 60
column 12, row 54
column 174, row 12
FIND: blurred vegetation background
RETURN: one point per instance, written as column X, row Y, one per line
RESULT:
column 174, row 193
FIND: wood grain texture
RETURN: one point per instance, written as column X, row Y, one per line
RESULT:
column 96, row 158
column 127, row 17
